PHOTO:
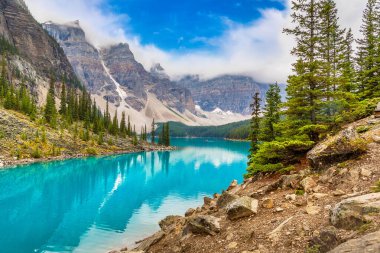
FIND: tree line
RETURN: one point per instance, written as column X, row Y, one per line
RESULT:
column 332, row 84
column 76, row 109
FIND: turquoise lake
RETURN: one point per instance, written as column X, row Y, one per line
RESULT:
column 99, row 204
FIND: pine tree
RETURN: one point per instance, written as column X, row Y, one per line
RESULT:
column 123, row 126
column 348, row 75
column 129, row 129
column 114, row 128
column 271, row 113
column 255, row 125
column 3, row 78
column 368, row 74
column 50, row 109
column 305, row 89
column 166, row 135
column 63, row 106
column 153, row 132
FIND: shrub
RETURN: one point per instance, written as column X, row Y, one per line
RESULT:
column 376, row 188
column 2, row 134
column 24, row 137
column 277, row 156
column 36, row 153
column 362, row 129
column 91, row 151
column 300, row 192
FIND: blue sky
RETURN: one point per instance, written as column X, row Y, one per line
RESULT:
column 201, row 37
column 183, row 25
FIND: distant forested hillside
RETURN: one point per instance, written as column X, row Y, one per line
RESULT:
column 237, row 130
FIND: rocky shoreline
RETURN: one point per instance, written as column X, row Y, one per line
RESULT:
column 9, row 162
column 330, row 203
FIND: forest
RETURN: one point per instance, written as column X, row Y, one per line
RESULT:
column 335, row 81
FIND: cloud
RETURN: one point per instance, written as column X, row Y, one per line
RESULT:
column 258, row 49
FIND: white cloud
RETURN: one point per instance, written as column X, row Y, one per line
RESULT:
column 258, row 49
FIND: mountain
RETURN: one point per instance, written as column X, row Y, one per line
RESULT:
column 231, row 93
column 112, row 73
column 36, row 55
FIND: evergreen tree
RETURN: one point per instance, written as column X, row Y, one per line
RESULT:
column 114, row 126
column 123, row 126
column 129, row 129
column 153, row 132
column 166, row 135
column 349, row 74
column 271, row 113
column 368, row 74
column 63, row 107
column 255, row 125
column 50, row 109
column 306, row 91
column 3, row 78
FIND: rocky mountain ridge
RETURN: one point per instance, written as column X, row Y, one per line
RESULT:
column 37, row 56
column 19, row 27
column 228, row 92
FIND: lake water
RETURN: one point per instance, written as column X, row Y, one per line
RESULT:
column 99, row 204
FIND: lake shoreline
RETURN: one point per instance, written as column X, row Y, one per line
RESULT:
column 9, row 162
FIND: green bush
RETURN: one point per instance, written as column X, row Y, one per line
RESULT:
column 36, row 153
column 362, row 129
column 376, row 188
column 91, row 151
column 277, row 156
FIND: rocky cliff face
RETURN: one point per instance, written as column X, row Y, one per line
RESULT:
column 84, row 58
column 34, row 45
column 106, row 70
column 229, row 93
column 130, row 74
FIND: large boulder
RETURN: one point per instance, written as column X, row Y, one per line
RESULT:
column 225, row 199
column 326, row 240
column 202, row 224
column 367, row 243
column 242, row 207
column 338, row 148
column 354, row 212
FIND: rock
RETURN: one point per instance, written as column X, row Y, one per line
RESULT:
column 225, row 199
column 319, row 195
column 268, row 203
column 291, row 197
column 290, row 181
column 207, row 201
column 242, row 207
column 367, row 243
column 338, row 193
column 338, row 148
column 313, row 210
column 308, row 184
column 202, row 224
column 326, row 240
column 150, row 241
column 233, row 184
column 189, row 212
column 232, row 245
column 354, row 212
column 365, row 173
column 171, row 222
column 376, row 138
column 216, row 195
column 279, row 209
